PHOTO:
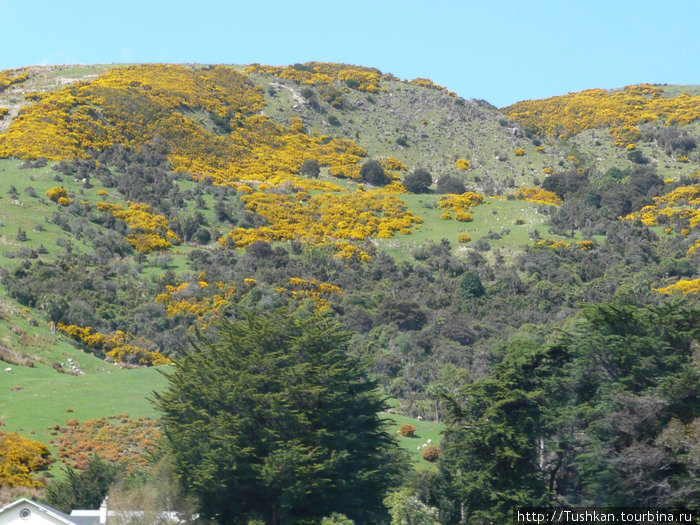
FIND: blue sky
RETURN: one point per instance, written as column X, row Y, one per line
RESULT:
column 501, row 51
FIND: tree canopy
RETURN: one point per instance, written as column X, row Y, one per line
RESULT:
column 274, row 420
column 602, row 415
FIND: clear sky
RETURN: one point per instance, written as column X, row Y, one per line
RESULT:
column 501, row 51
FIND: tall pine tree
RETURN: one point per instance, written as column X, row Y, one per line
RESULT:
column 274, row 420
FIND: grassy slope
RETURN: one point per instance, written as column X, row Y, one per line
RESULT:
column 424, row 430
column 437, row 129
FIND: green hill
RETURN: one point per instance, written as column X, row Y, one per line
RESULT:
column 139, row 202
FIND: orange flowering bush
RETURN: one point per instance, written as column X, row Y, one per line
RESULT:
column 19, row 459
column 118, row 439
column 431, row 453
column 407, row 430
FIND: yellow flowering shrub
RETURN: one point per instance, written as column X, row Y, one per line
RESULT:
column 19, row 459
column 205, row 302
column 427, row 83
column 132, row 104
column 392, row 164
column 463, row 164
column 464, row 238
column 538, row 195
column 464, row 202
column 120, row 346
column 694, row 248
column 149, row 231
column 10, row 77
column 324, row 73
column 683, row 286
column 519, row 152
column 56, row 193
column 300, row 289
column 620, row 111
column 347, row 251
column 584, row 245
column 3, row 112
column 675, row 207
column 323, row 217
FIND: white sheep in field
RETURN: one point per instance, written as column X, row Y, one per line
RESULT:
column 418, row 449
column 8, row 369
column 430, row 442
column 420, row 418
column 424, row 445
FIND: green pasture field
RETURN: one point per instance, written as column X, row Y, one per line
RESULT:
column 424, row 430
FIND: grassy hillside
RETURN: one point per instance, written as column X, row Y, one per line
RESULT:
column 154, row 199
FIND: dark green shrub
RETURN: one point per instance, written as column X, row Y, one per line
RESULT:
column 373, row 173
column 449, row 184
column 310, row 168
column 419, row 181
column 470, row 286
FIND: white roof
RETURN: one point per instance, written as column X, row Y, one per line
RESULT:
column 44, row 509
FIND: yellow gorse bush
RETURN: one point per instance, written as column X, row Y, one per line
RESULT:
column 323, row 217
column 676, row 208
column 133, row 104
column 620, row 111
column 392, row 164
column 683, row 286
column 56, row 193
column 19, row 458
column 464, row 202
column 10, row 77
column 463, row 164
column 538, row 195
column 199, row 299
column 121, row 346
column 149, row 231
column 584, row 245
